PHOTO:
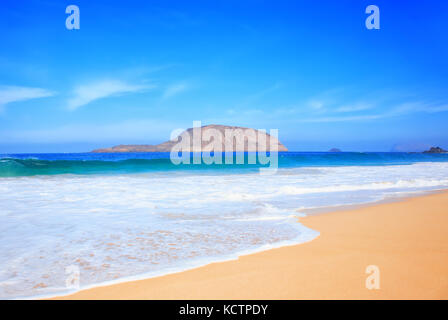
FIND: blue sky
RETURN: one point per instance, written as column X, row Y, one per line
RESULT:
column 136, row 70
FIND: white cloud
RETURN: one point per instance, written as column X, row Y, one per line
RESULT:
column 10, row 94
column 439, row 108
column 88, row 93
column 412, row 107
column 354, row 107
column 175, row 89
column 343, row 119
column 400, row 110
column 331, row 107
column 316, row 104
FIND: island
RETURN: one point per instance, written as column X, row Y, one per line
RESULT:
column 212, row 138
column 435, row 150
column 334, row 150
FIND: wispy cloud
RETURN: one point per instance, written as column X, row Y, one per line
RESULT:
column 354, row 107
column 393, row 111
column 255, row 97
column 327, row 105
column 85, row 94
column 175, row 89
column 316, row 104
column 325, row 101
column 341, row 106
column 344, row 118
column 420, row 106
column 251, row 102
column 9, row 94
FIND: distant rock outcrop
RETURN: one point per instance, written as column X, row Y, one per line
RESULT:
column 210, row 138
column 435, row 150
column 334, row 150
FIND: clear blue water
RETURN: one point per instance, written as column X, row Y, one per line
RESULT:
column 12, row 165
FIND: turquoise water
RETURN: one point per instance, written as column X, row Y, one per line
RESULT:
column 12, row 165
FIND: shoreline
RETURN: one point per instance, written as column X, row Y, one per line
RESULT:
column 211, row 281
column 388, row 199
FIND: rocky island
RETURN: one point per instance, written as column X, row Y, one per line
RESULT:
column 212, row 138
column 435, row 150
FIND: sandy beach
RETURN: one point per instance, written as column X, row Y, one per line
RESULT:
column 407, row 240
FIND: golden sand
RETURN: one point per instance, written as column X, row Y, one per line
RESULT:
column 406, row 240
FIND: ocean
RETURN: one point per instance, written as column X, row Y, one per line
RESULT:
column 118, row 217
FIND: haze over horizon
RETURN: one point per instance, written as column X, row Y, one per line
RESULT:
column 133, row 73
